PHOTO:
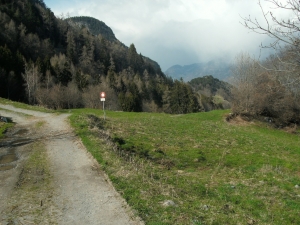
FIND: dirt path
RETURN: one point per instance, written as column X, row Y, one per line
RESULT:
column 75, row 191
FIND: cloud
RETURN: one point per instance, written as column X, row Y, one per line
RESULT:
column 174, row 31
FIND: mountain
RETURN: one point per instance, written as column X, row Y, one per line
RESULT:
column 96, row 27
column 217, row 68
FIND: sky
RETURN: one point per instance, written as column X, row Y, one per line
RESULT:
column 176, row 32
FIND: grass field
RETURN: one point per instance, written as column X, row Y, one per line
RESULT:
column 213, row 171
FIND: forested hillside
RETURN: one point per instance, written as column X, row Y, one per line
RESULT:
column 65, row 63
column 215, row 94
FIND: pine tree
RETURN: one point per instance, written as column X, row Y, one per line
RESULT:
column 111, row 75
column 135, row 61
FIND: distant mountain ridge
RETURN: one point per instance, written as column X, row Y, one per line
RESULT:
column 217, row 68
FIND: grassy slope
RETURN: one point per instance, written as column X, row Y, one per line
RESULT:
column 215, row 172
column 24, row 106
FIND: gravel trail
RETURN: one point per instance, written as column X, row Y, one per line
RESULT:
column 82, row 192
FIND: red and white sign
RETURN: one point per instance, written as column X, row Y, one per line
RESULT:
column 102, row 96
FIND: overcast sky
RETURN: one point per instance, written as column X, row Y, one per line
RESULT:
column 174, row 31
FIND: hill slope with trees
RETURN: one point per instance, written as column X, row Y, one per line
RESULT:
column 215, row 94
column 56, row 63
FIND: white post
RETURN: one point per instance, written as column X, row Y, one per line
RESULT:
column 103, row 110
column 102, row 98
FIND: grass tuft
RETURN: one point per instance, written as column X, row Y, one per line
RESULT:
column 4, row 127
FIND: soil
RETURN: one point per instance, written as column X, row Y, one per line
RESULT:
column 67, row 188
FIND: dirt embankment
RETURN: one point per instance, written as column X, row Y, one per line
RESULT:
column 49, row 178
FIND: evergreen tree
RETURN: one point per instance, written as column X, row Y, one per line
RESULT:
column 135, row 60
column 181, row 99
column 111, row 75
column 71, row 47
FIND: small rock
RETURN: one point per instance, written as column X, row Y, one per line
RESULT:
column 296, row 186
column 205, row 207
column 251, row 222
column 233, row 187
column 169, row 203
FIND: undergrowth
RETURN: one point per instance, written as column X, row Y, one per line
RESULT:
column 214, row 172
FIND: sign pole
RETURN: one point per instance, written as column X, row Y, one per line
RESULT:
column 103, row 110
column 102, row 98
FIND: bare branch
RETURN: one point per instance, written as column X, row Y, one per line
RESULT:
column 282, row 30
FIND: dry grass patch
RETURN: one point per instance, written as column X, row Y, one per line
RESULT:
column 31, row 200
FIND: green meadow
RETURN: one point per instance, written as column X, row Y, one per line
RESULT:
column 196, row 168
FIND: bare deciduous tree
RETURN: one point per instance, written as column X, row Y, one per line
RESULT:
column 258, row 92
column 285, row 33
column 57, row 96
column 245, row 73
column 274, row 88
column 72, row 96
column 32, row 80
column 280, row 29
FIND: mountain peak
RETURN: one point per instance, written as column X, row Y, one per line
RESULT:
column 95, row 26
